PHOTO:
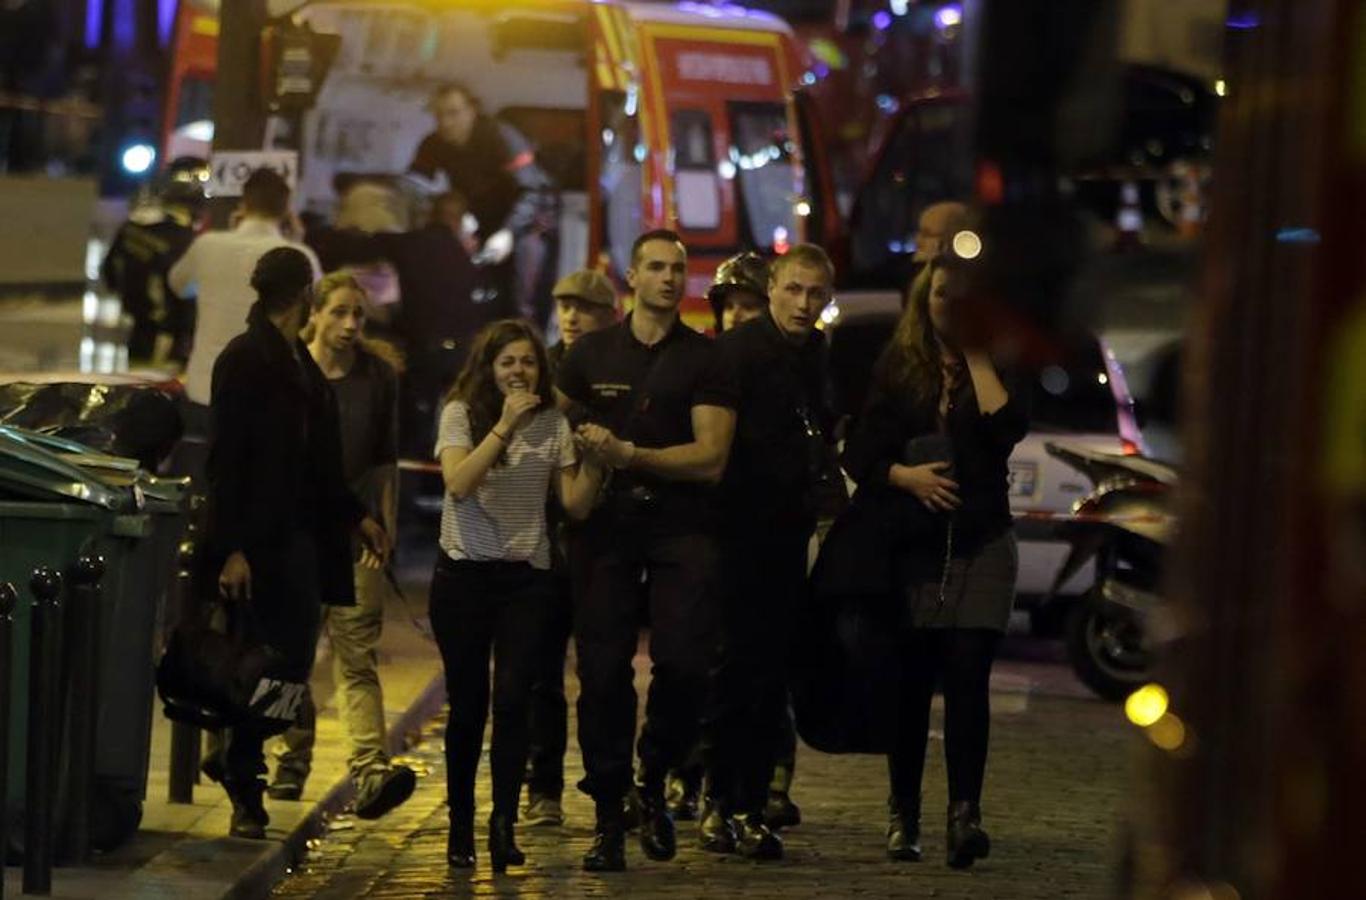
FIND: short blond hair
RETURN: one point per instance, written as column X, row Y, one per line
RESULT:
column 810, row 255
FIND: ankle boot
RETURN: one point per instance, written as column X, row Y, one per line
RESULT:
column 966, row 841
column 716, row 831
column 657, row 835
column 755, row 840
column 608, row 853
column 249, row 819
column 460, row 841
column 780, row 811
column 903, row 830
column 503, row 851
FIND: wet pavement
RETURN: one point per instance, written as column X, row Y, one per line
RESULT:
column 1059, row 774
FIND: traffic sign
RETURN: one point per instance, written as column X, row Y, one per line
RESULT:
column 229, row 169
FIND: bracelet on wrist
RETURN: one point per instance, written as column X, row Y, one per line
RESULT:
column 494, row 432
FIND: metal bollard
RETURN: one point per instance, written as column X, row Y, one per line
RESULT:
column 44, row 719
column 184, row 763
column 83, row 611
column 9, row 598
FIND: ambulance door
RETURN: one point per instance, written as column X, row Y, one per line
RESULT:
column 731, row 177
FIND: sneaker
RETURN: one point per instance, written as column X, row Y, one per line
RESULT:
column 542, row 810
column 288, row 785
column 385, row 790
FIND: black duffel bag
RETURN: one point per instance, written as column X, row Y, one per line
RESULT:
column 844, row 665
column 217, row 678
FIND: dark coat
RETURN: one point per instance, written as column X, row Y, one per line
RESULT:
column 885, row 526
column 275, row 465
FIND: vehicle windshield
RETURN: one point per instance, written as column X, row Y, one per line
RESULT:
column 928, row 159
column 762, row 152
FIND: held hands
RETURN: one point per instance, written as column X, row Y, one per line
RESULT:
column 935, row 491
column 517, row 409
column 234, row 582
column 601, row 445
column 375, row 544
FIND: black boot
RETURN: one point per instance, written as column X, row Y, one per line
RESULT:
column 903, row 830
column 716, row 831
column 460, row 841
column 249, row 819
column 780, row 811
column 755, row 840
column 608, row 853
column 657, row 836
column 967, row 842
column 503, row 851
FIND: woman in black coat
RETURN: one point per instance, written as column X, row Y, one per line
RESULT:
column 280, row 518
column 931, row 446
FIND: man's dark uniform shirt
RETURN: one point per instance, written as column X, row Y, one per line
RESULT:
column 645, row 394
column 782, row 386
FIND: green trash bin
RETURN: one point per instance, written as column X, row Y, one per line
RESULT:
column 59, row 501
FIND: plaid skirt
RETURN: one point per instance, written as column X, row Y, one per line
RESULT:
column 978, row 591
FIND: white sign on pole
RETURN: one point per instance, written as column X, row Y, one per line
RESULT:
column 229, row 170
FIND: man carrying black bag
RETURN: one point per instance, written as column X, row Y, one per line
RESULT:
column 280, row 517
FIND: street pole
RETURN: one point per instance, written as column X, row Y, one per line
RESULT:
column 239, row 113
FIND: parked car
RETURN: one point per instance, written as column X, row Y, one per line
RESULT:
column 1084, row 398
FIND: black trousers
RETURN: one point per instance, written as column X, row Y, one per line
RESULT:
column 286, row 612
column 960, row 660
column 478, row 609
column 681, row 600
column 549, row 710
column 764, row 573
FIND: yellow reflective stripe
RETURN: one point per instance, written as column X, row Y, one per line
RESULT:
column 607, row 79
column 606, row 26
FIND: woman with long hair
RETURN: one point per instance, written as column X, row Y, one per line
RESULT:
column 503, row 446
column 937, row 430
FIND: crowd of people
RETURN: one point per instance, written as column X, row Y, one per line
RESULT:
column 636, row 472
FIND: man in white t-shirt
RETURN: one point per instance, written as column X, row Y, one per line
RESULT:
column 217, row 267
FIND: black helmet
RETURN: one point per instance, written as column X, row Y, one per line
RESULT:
column 744, row 271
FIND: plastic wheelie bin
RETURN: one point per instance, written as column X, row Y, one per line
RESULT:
column 60, row 501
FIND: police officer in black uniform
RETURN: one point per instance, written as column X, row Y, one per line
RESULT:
column 769, row 514
column 661, row 414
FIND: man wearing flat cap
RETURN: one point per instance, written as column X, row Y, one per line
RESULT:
column 584, row 302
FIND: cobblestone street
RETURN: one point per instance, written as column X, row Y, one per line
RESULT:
column 1054, row 805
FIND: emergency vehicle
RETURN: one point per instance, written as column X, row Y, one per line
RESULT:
column 680, row 115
